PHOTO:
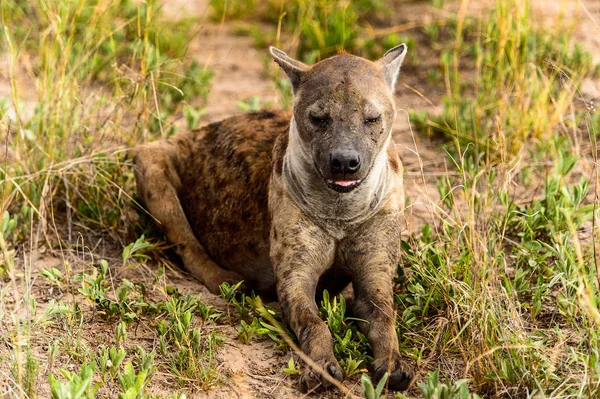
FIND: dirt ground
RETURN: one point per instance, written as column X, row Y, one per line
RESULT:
column 254, row 371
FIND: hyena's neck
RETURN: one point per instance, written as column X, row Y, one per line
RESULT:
column 332, row 210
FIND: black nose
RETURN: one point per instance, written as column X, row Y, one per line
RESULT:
column 344, row 161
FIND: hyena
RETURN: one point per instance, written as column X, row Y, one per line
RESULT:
column 293, row 204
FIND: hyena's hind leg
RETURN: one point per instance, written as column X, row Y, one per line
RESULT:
column 158, row 184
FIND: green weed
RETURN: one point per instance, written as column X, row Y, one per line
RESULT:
column 434, row 389
column 109, row 362
column 254, row 322
column 370, row 392
column 188, row 350
column 253, row 104
column 350, row 346
column 77, row 385
column 192, row 116
column 54, row 276
column 292, row 368
column 133, row 383
column 133, row 250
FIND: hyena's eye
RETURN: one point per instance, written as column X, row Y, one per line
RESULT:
column 319, row 120
column 372, row 120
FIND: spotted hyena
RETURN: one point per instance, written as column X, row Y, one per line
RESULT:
column 295, row 203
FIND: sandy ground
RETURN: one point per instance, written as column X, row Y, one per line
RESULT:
column 254, row 371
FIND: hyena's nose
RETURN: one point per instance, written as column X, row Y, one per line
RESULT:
column 344, row 160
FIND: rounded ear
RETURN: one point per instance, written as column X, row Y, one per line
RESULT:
column 391, row 62
column 294, row 69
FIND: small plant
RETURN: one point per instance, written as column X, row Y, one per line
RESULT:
column 95, row 286
column 559, row 210
column 370, row 392
column 129, row 304
column 77, row 385
column 7, row 229
column 292, row 368
column 192, row 116
column 209, row 313
column 54, row 276
column 434, row 389
column 109, row 362
column 229, row 291
column 194, row 84
column 254, row 316
column 189, row 352
column 121, row 333
column 352, row 366
column 144, row 361
column 134, row 250
column 28, row 373
column 8, row 226
column 349, row 345
column 133, row 384
column 247, row 331
column 253, row 104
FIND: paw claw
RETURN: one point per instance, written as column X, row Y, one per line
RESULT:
column 312, row 379
column 335, row 372
column 400, row 377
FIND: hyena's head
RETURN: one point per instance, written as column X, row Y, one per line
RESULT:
column 343, row 111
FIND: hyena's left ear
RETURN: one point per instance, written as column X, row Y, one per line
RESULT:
column 294, row 69
column 391, row 62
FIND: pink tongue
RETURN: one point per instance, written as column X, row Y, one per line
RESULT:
column 345, row 183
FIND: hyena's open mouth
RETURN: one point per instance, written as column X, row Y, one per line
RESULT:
column 343, row 186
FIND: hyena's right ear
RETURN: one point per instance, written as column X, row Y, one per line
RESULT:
column 294, row 69
column 391, row 62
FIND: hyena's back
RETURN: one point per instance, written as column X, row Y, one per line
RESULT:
column 224, row 170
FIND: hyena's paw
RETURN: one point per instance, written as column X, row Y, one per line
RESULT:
column 312, row 379
column 401, row 373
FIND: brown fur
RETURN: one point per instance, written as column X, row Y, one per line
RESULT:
column 247, row 199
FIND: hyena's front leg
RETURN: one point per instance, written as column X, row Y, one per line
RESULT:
column 371, row 260
column 301, row 252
